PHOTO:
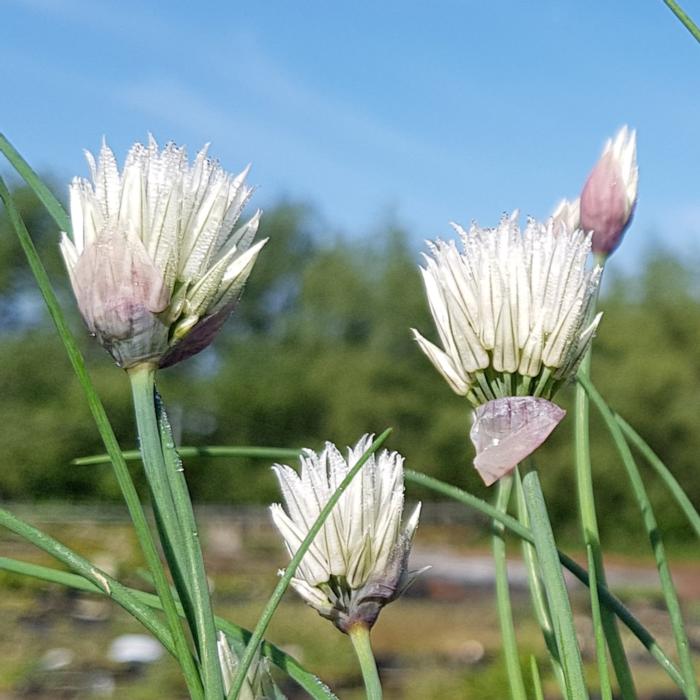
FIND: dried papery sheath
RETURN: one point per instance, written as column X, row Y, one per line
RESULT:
column 507, row 430
column 156, row 259
column 259, row 684
column 513, row 310
column 609, row 196
column 358, row 561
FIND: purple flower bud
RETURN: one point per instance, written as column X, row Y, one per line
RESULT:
column 609, row 196
column 507, row 430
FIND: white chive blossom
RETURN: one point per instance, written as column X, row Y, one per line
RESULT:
column 513, row 310
column 156, row 259
column 609, row 196
column 358, row 561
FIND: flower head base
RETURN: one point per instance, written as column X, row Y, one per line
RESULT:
column 155, row 260
column 513, row 310
column 609, row 196
column 258, row 684
column 358, row 561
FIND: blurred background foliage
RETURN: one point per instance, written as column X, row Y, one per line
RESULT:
column 320, row 349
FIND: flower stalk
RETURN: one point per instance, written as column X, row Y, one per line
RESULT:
column 175, row 521
column 360, row 638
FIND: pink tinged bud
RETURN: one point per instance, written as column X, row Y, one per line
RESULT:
column 609, row 196
column 507, row 430
column 120, row 294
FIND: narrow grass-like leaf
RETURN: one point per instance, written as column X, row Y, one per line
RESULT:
column 598, row 632
column 109, row 440
column 306, row 680
column 555, row 588
column 273, row 453
column 509, row 641
column 608, row 598
column 289, row 572
column 539, row 600
column 536, row 680
column 684, row 18
column 98, row 578
column 44, row 194
column 663, row 471
column 194, row 561
column 667, row 586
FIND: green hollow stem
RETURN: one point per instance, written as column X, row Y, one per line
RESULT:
column 126, row 485
column 606, row 596
column 175, row 518
column 204, row 451
column 537, row 595
column 555, row 587
column 285, row 579
column 306, row 680
column 101, row 581
column 505, row 612
column 663, row 472
column 683, row 18
column 656, row 541
column 598, row 631
column 591, row 538
column 536, row 680
column 359, row 636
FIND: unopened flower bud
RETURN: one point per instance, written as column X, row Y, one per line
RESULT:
column 609, row 196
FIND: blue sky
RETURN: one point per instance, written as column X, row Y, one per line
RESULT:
column 372, row 111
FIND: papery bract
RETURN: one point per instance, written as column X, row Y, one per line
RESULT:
column 507, row 430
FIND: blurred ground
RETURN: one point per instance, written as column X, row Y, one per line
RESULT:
column 441, row 641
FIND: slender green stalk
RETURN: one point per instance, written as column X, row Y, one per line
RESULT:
column 196, row 573
column 684, row 18
column 555, row 588
column 306, row 680
column 663, row 471
column 536, row 680
column 359, row 636
column 537, row 595
column 505, row 612
column 607, row 597
column 289, row 572
column 598, row 631
column 591, row 538
column 109, row 440
column 98, row 578
column 655, row 539
column 44, row 194
column 205, row 451
column 178, row 530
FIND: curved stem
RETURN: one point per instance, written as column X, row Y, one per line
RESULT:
column 663, row 471
column 655, row 539
column 359, row 636
column 505, row 612
column 591, row 538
